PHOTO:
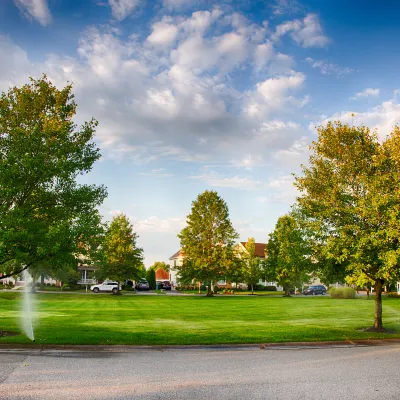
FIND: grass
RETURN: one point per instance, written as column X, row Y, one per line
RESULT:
column 141, row 320
column 245, row 292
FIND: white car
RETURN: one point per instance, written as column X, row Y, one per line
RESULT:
column 106, row 286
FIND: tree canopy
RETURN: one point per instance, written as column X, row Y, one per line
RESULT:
column 44, row 213
column 207, row 240
column 121, row 257
column 350, row 193
column 288, row 254
column 251, row 264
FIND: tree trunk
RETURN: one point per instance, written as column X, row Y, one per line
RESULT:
column 252, row 289
column 33, row 288
column 209, row 291
column 42, row 281
column 378, row 305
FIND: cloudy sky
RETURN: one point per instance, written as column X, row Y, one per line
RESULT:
column 194, row 94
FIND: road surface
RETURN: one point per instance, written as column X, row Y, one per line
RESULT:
column 359, row 372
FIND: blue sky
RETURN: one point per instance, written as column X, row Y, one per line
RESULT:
column 194, row 94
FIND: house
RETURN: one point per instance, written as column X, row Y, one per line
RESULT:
column 259, row 252
column 239, row 249
column 176, row 260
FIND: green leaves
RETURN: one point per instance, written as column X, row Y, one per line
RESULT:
column 288, row 253
column 121, row 258
column 44, row 213
column 351, row 197
column 207, row 240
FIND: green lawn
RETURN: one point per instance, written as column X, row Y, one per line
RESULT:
column 106, row 319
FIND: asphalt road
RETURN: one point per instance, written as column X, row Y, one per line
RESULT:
column 246, row 373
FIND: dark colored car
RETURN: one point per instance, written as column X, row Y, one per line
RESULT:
column 142, row 285
column 315, row 289
column 166, row 285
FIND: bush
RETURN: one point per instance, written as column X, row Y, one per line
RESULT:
column 393, row 295
column 65, row 287
column 258, row 287
column 342, row 293
column 270, row 288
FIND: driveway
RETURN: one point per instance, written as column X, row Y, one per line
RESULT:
column 237, row 373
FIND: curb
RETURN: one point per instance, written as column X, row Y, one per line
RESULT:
column 263, row 346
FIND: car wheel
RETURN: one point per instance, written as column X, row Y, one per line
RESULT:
column 115, row 290
column 96, row 290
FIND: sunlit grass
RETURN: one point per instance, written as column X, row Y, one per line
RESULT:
column 107, row 319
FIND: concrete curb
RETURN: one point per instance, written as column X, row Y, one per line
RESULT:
column 263, row 346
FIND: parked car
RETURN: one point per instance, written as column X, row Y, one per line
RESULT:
column 142, row 285
column 165, row 285
column 106, row 286
column 315, row 289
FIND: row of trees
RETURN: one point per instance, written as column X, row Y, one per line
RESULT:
column 344, row 225
column 345, row 222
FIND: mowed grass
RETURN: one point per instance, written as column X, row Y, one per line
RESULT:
column 166, row 320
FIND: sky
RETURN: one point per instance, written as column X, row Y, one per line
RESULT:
column 195, row 95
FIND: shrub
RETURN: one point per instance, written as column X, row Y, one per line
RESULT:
column 394, row 295
column 65, row 287
column 270, row 288
column 342, row 293
column 258, row 287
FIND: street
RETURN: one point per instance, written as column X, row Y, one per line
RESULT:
column 345, row 372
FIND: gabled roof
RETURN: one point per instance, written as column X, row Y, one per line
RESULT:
column 176, row 255
column 162, row 274
column 259, row 250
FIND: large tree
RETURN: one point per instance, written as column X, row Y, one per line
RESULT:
column 252, row 270
column 288, row 254
column 44, row 213
column 121, row 257
column 351, row 197
column 207, row 240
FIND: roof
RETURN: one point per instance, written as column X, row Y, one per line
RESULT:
column 162, row 274
column 260, row 249
column 176, row 255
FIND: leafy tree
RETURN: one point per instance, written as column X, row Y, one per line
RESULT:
column 251, row 264
column 351, row 197
column 288, row 254
column 44, row 213
column 151, row 278
column 207, row 240
column 141, row 274
column 160, row 264
column 121, row 258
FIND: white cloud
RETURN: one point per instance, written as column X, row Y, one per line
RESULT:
column 306, row 32
column 271, row 94
column 282, row 190
column 154, row 105
column 382, row 117
column 156, row 224
column 36, row 9
column 281, row 7
column 122, row 8
column 163, row 33
column 234, row 182
column 327, row 68
column 179, row 4
column 368, row 92
column 157, row 172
